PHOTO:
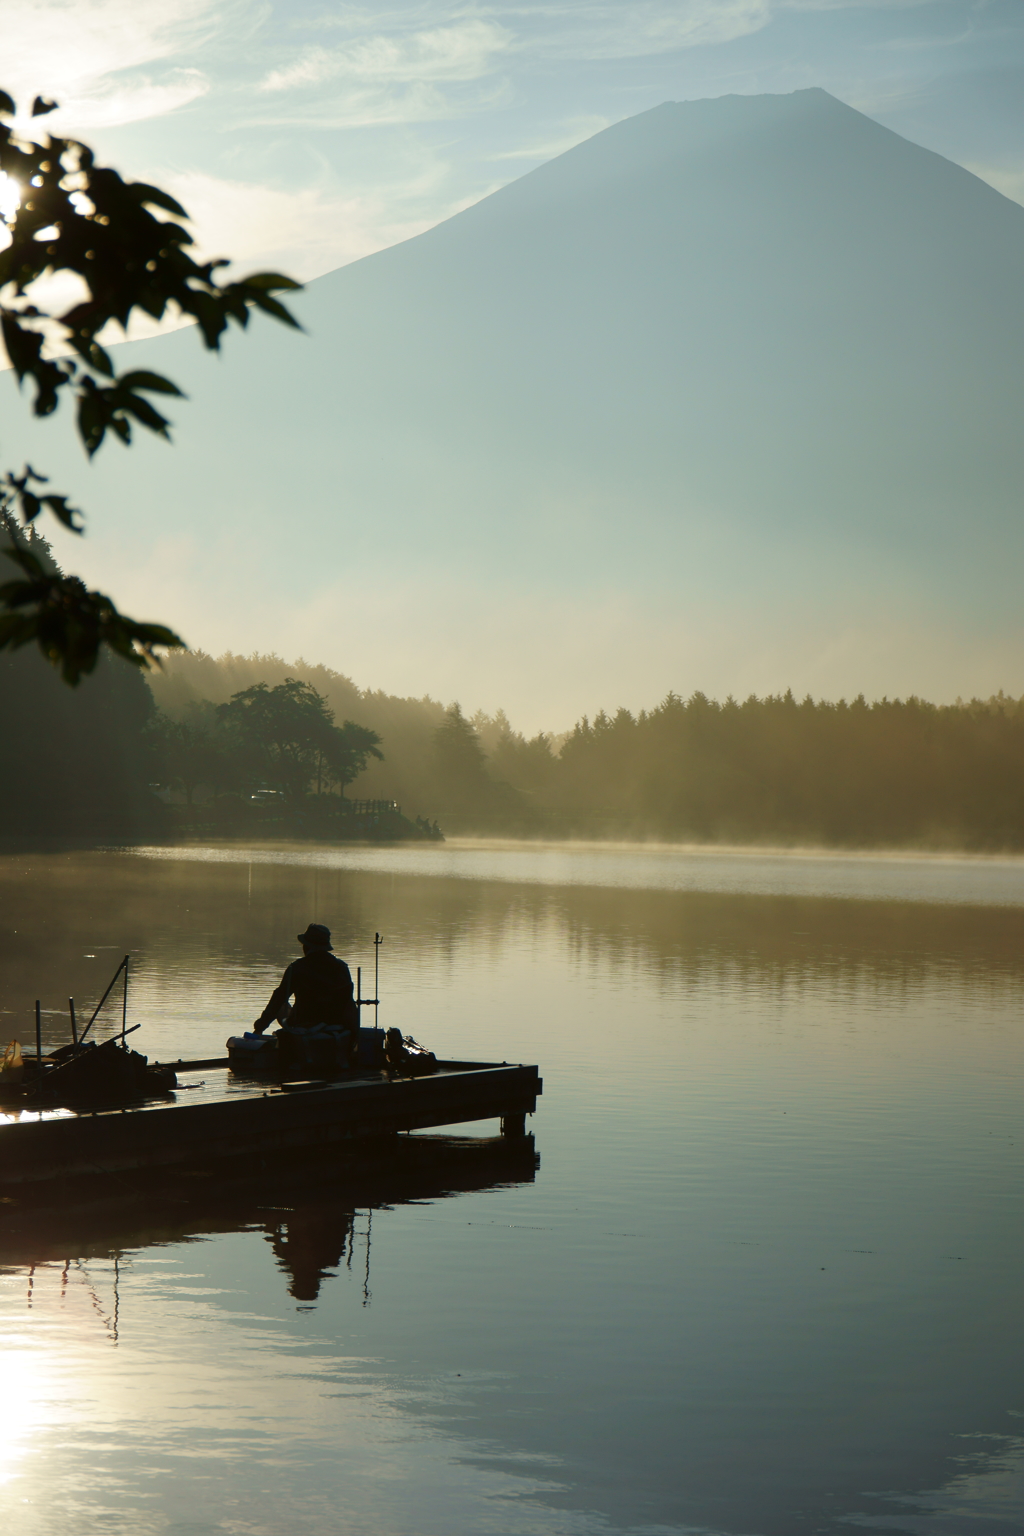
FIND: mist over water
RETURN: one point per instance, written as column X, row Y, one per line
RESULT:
column 765, row 1279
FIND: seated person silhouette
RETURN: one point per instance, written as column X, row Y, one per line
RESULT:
column 321, row 1028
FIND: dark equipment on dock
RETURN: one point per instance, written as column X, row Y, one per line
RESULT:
column 406, row 1058
column 84, row 1073
column 102, row 1074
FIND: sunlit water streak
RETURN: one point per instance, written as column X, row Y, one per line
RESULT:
column 766, row 1281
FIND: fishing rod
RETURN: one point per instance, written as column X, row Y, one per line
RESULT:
column 374, row 1001
column 122, row 967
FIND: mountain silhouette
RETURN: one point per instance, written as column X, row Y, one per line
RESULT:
column 738, row 378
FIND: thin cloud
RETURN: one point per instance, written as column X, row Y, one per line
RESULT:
column 464, row 51
column 644, row 28
column 114, row 103
column 401, row 72
column 377, row 107
column 269, row 225
column 457, row 48
column 87, row 56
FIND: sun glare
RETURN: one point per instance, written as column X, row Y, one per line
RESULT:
column 26, row 1387
column 10, row 196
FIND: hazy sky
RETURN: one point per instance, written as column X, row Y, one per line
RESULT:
column 307, row 134
column 310, row 132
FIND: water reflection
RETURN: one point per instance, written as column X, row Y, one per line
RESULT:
column 773, row 1260
column 209, row 937
column 308, row 1213
column 985, row 1498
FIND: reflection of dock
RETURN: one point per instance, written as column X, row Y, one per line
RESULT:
column 214, row 1116
column 316, row 1218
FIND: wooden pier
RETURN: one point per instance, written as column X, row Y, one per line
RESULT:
column 214, row 1116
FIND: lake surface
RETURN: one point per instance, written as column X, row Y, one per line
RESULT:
column 765, row 1280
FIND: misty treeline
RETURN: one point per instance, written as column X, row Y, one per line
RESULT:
column 769, row 769
column 778, row 769
column 281, row 737
column 87, row 762
column 73, row 761
column 428, row 758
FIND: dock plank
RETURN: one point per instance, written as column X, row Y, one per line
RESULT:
column 214, row 1115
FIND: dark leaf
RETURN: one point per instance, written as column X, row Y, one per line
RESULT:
column 70, row 624
column 64, row 513
column 273, row 280
column 141, row 409
column 30, row 504
column 23, row 346
column 122, row 239
column 210, row 315
column 91, row 426
column 153, row 302
column 273, row 307
column 160, row 199
column 140, row 378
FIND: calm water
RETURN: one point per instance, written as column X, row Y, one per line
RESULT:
column 765, row 1280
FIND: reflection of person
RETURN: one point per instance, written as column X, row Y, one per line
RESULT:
column 321, row 985
column 310, row 1246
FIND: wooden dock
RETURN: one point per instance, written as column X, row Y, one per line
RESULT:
column 214, row 1116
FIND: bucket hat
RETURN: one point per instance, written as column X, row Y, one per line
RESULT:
column 317, row 935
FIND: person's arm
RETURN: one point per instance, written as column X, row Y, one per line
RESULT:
column 351, row 1008
column 278, row 1001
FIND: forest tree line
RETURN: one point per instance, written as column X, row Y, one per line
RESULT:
column 892, row 772
column 93, row 762
column 281, row 738
column 74, row 762
column 775, row 769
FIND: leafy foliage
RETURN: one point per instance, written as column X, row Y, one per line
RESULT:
column 528, row 765
column 73, row 762
column 80, row 218
column 191, row 752
column 68, row 622
column 291, row 738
